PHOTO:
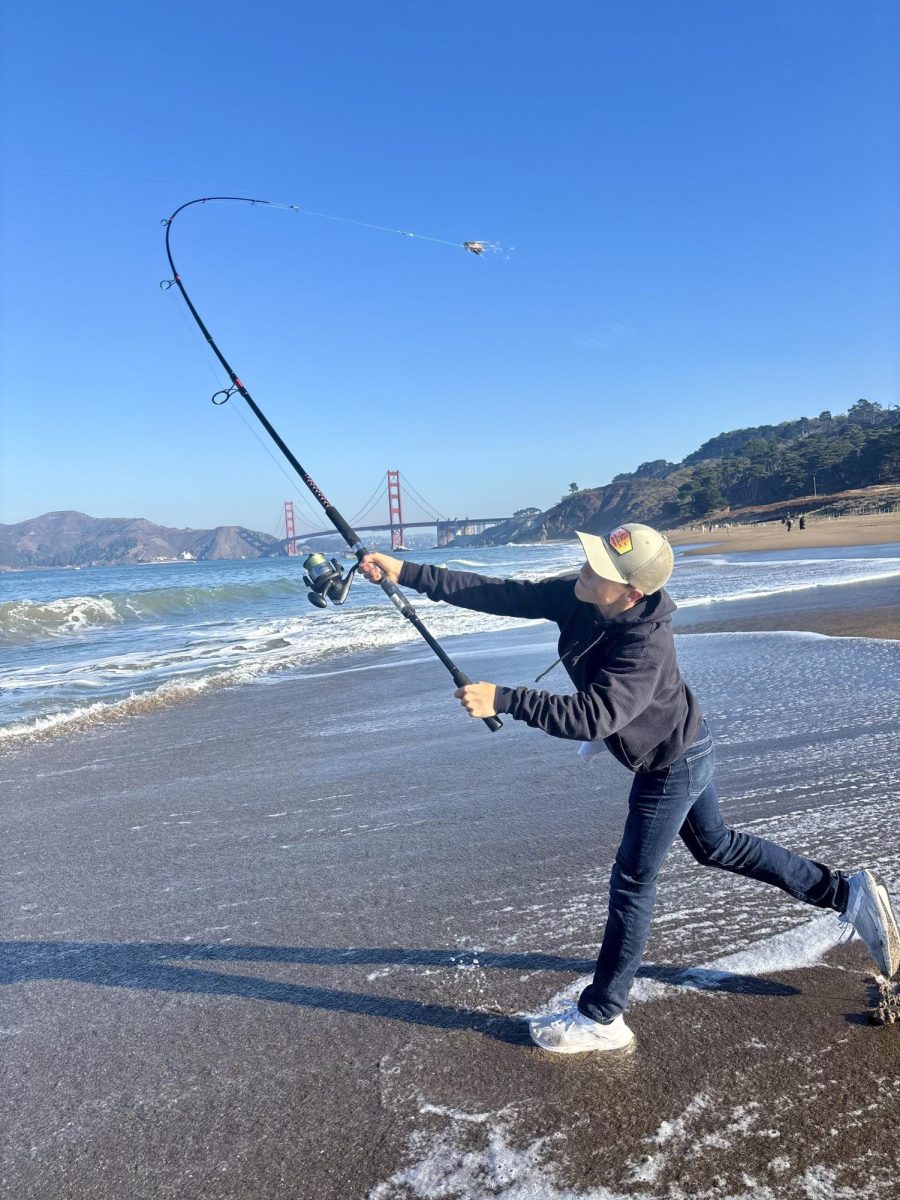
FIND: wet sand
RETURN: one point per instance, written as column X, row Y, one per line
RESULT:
column 277, row 943
column 869, row 609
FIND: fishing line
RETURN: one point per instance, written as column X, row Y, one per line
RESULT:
column 370, row 503
column 474, row 247
column 309, row 512
column 361, row 518
column 423, row 503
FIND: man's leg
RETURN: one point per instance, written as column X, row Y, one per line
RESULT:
column 860, row 897
column 715, row 844
column 657, row 807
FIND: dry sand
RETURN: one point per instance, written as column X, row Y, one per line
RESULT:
column 875, row 530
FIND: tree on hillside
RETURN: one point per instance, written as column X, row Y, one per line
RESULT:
column 658, row 468
column 864, row 412
column 879, row 460
column 702, row 493
column 709, row 495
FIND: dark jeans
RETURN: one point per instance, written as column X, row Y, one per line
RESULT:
column 681, row 800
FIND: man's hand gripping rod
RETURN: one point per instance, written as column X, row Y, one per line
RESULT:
column 404, row 607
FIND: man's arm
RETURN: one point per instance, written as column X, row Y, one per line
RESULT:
column 549, row 599
column 621, row 691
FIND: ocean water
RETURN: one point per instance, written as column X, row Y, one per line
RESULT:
column 99, row 643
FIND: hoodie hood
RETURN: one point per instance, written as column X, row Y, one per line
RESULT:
column 657, row 607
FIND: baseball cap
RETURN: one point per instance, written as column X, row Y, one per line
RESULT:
column 632, row 554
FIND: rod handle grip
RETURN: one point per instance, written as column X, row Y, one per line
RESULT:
column 461, row 679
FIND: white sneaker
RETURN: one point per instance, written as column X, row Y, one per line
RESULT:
column 570, row 1032
column 869, row 914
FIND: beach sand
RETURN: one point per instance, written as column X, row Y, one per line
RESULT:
column 278, row 943
column 877, row 529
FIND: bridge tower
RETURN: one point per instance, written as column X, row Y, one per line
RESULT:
column 395, row 506
column 290, row 527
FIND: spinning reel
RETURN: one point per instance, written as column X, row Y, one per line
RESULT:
column 326, row 580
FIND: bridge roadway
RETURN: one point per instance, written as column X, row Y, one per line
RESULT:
column 460, row 523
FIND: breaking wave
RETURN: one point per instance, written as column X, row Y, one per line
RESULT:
column 26, row 621
column 887, row 569
column 86, row 716
column 73, row 695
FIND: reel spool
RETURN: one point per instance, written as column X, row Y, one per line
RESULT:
column 326, row 580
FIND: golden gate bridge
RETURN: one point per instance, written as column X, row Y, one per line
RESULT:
column 399, row 501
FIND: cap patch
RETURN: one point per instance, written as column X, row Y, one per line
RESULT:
column 620, row 540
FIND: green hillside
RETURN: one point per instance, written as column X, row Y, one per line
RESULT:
column 765, row 464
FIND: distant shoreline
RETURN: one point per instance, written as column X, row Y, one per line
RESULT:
column 877, row 529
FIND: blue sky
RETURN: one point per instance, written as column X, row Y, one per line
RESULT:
column 701, row 200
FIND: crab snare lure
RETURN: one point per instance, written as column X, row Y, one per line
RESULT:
column 324, row 577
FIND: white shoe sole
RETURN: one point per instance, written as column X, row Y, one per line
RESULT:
column 892, row 949
column 881, row 936
column 620, row 1042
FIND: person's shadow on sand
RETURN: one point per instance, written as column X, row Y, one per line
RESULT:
column 173, row 967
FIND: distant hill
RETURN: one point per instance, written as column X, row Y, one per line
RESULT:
column 808, row 458
column 73, row 539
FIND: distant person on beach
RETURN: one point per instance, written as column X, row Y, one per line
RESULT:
column 617, row 647
column 790, row 524
column 802, row 524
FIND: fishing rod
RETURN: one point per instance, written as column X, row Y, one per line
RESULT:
column 325, row 578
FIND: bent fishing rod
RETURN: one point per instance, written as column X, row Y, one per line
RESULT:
column 325, row 578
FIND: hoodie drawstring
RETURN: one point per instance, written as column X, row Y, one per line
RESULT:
column 576, row 659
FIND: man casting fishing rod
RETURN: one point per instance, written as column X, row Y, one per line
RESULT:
column 616, row 644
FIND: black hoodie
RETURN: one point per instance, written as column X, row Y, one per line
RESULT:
column 630, row 691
